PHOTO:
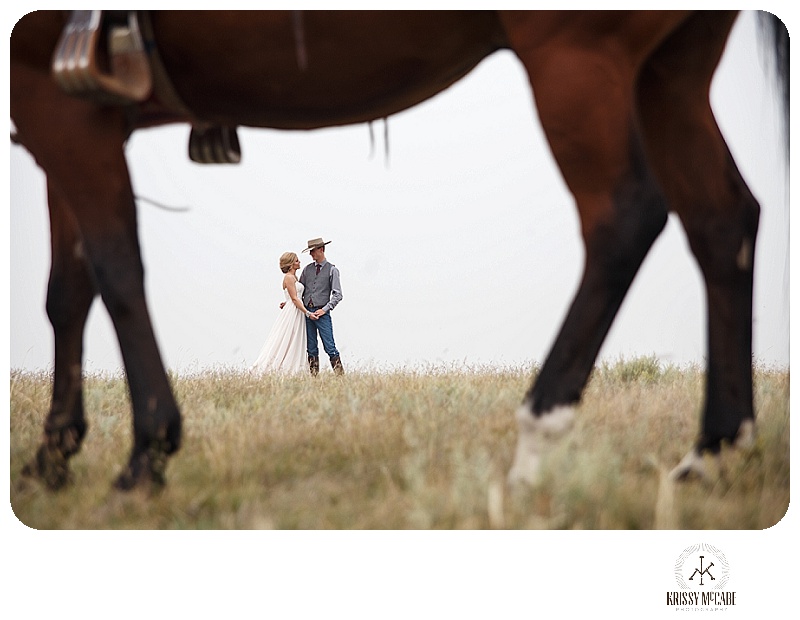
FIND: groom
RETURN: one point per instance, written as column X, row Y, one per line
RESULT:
column 323, row 291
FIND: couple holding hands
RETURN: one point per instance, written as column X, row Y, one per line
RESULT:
column 305, row 315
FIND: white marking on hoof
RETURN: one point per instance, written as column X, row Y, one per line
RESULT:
column 536, row 437
column 695, row 465
column 691, row 464
column 746, row 437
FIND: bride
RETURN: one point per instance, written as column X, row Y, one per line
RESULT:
column 285, row 348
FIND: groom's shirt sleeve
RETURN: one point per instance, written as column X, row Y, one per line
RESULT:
column 336, row 290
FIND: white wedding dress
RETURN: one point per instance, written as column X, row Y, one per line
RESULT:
column 285, row 349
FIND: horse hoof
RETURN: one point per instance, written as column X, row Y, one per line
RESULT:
column 696, row 466
column 691, row 466
column 50, row 467
column 536, row 437
column 143, row 471
column 746, row 437
column 129, row 480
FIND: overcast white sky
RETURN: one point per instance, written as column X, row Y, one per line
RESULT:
column 461, row 246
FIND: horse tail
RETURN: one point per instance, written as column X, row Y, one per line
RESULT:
column 776, row 37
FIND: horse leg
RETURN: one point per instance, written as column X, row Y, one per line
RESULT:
column 112, row 242
column 80, row 147
column 585, row 100
column 718, row 211
column 70, row 292
column 108, row 222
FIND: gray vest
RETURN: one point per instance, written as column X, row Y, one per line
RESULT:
column 317, row 287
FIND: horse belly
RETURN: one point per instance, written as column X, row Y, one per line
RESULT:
column 307, row 69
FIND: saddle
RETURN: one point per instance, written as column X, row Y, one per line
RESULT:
column 111, row 57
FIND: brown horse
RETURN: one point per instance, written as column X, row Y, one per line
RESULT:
column 622, row 98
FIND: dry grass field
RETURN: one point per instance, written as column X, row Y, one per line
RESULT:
column 419, row 449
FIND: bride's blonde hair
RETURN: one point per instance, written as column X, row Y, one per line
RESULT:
column 287, row 260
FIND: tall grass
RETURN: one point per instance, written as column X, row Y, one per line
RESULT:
column 424, row 448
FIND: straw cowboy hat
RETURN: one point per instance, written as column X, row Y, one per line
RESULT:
column 313, row 244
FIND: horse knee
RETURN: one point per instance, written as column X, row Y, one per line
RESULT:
column 121, row 284
column 69, row 296
column 618, row 247
column 724, row 242
column 620, row 226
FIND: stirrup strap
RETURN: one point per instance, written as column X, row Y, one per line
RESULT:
column 215, row 144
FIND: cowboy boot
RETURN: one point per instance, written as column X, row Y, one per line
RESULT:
column 336, row 364
column 313, row 365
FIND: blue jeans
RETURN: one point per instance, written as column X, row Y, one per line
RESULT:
column 324, row 327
